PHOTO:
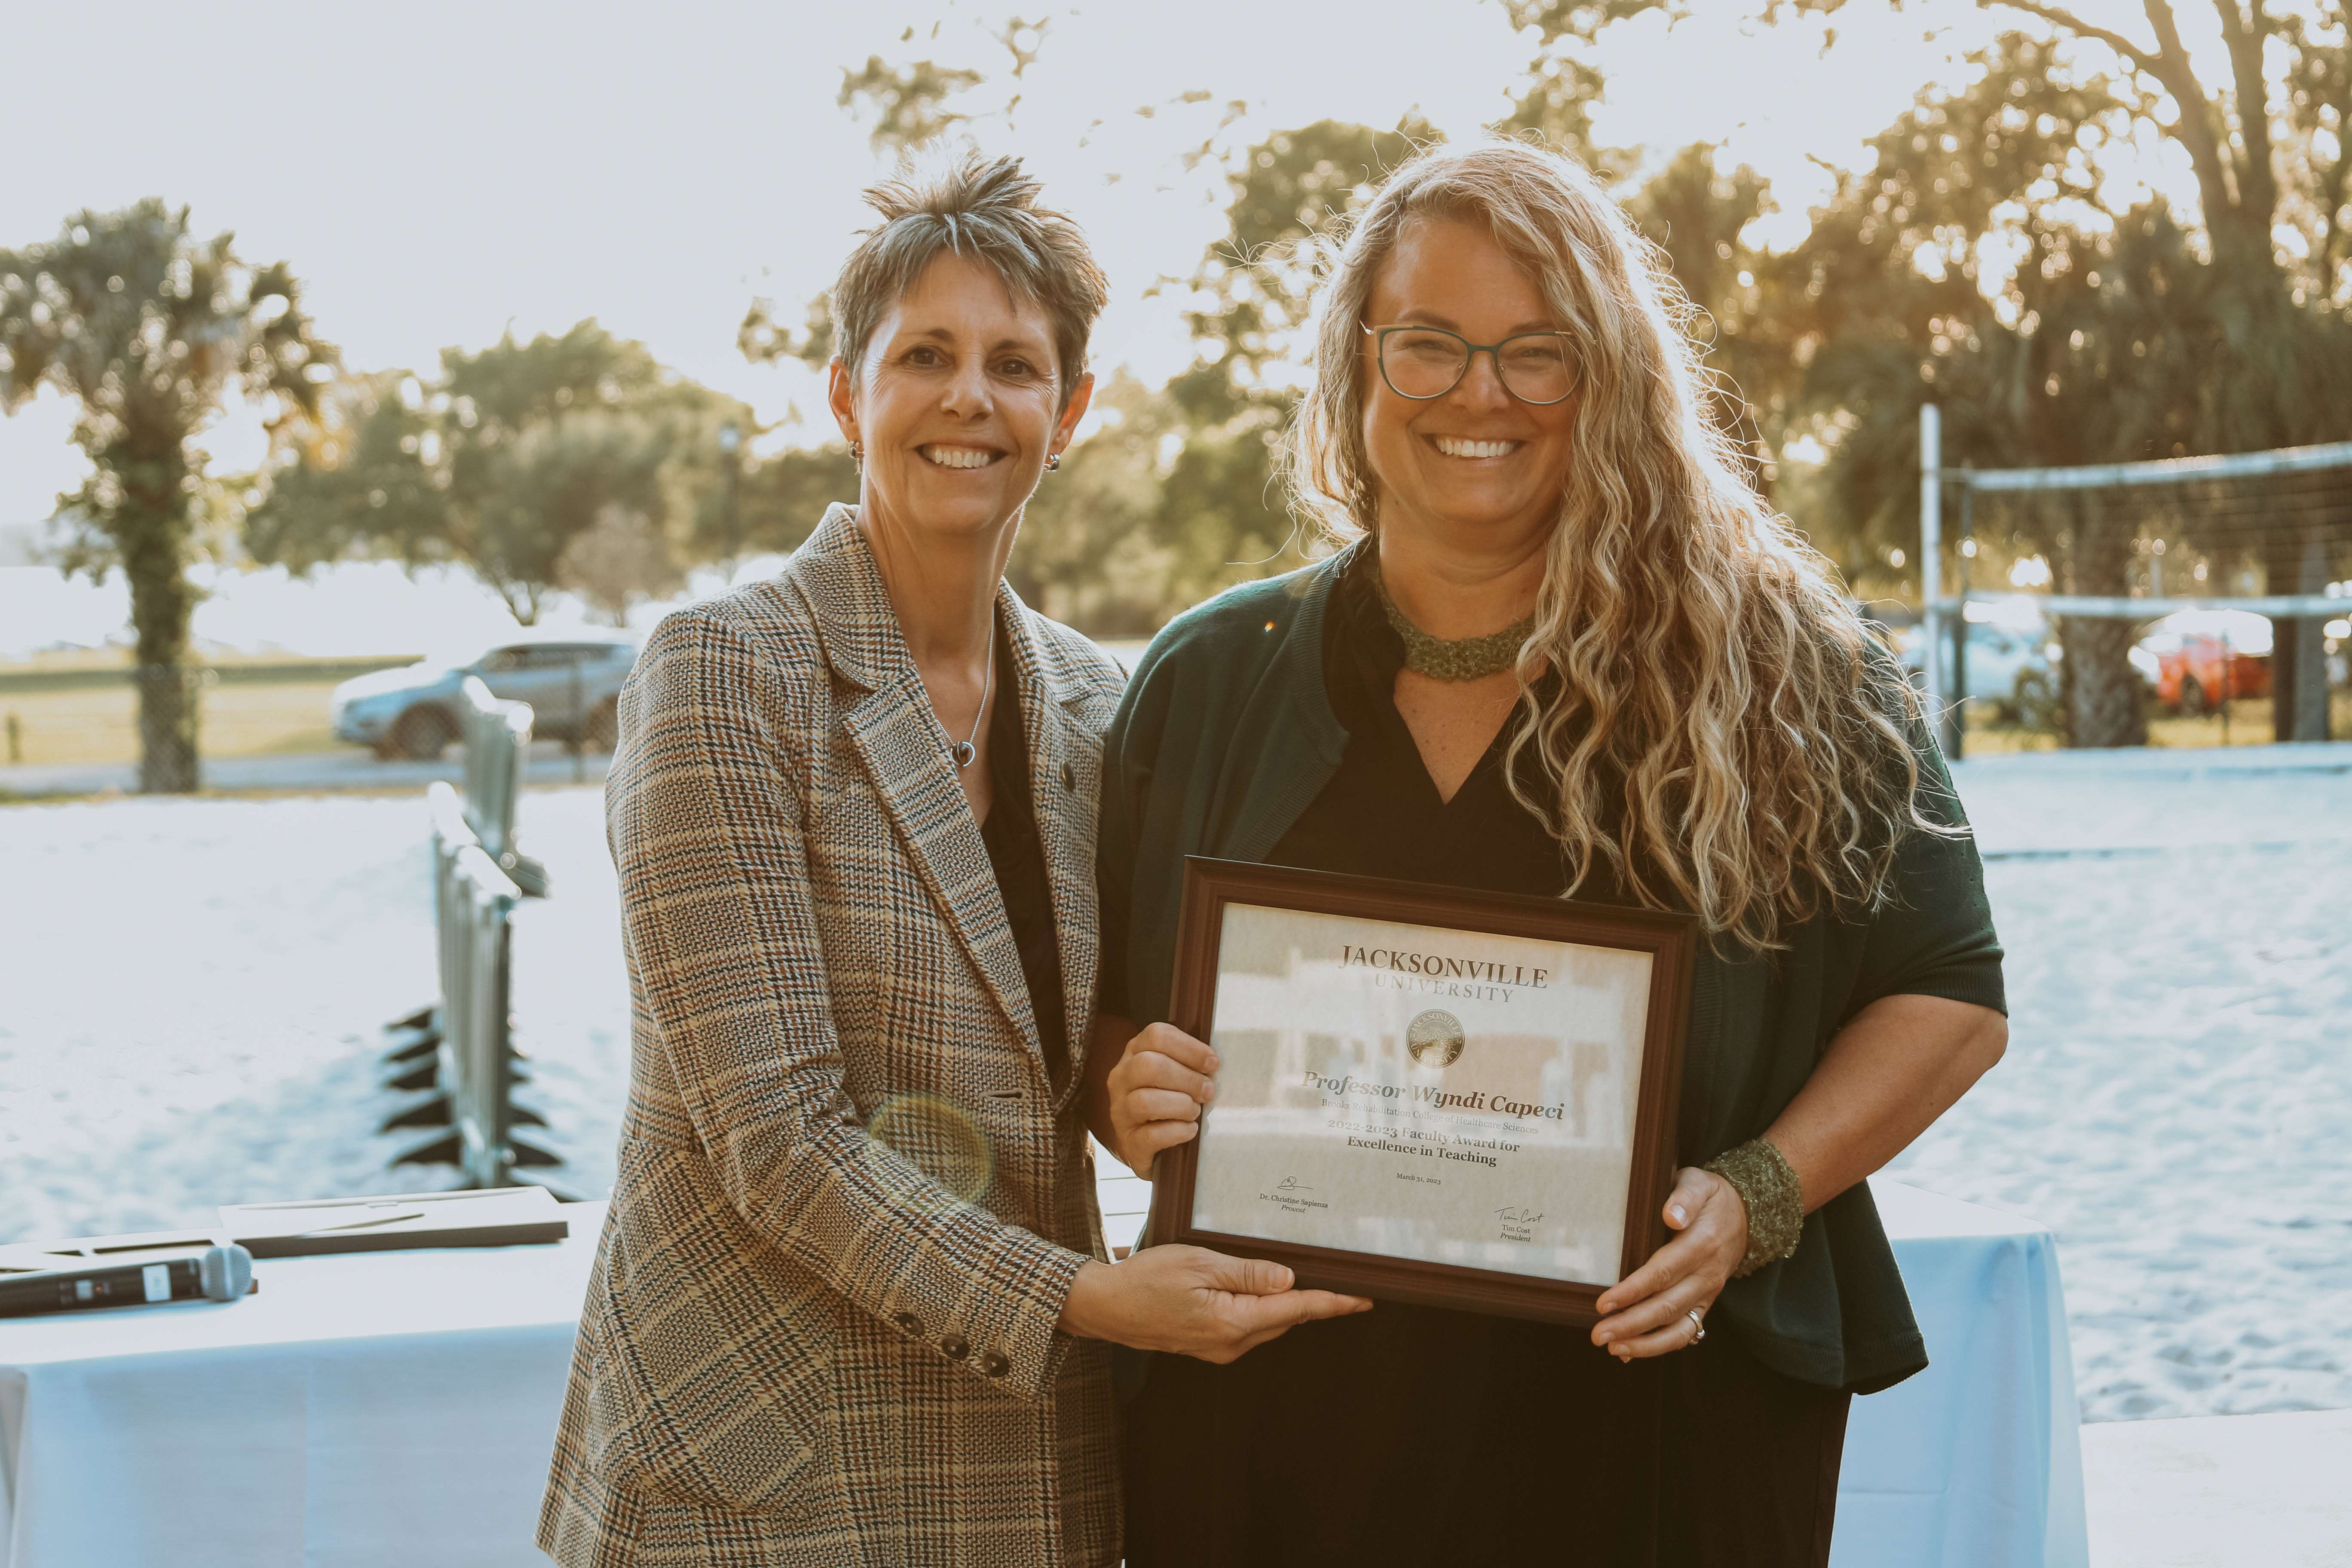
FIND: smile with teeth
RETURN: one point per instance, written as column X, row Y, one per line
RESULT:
column 1455, row 447
column 959, row 457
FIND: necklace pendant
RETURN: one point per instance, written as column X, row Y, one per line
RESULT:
column 963, row 752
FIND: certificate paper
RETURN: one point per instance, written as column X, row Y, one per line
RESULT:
column 1423, row 1093
column 1427, row 1094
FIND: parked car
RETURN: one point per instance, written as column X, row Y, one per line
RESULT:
column 572, row 683
column 2203, row 656
column 2010, row 662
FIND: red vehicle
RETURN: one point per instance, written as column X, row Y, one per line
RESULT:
column 2204, row 657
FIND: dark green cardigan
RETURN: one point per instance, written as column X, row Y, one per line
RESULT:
column 1226, row 735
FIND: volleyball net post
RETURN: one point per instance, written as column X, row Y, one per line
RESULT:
column 1949, row 720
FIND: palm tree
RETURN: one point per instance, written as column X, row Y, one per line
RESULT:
column 147, row 327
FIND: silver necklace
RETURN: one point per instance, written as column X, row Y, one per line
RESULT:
column 964, row 750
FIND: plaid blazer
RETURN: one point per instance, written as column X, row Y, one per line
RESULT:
column 849, row 1206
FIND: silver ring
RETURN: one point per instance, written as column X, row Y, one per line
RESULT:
column 1698, row 1328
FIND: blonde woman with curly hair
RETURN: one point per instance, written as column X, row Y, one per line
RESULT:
column 1565, row 649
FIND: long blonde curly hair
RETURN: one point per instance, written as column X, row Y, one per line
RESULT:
column 1726, row 737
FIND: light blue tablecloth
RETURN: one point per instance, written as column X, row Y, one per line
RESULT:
column 1977, row 1462
column 398, row 1409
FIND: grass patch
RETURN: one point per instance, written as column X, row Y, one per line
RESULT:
column 100, row 723
column 88, row 667
column 2248, row 724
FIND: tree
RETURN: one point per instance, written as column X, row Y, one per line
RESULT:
column 147, row 328
column 1698, row 216
column 1091, row 552
column 2269, row 149
column 906, row 103
column 1222, row 513
column 517, row 507
column 1891, row 292
column 1985, row 262
column 506, row 464
column 908, row 111
column 2267, row 253
column 2269, row 161
column 909, row 104
column 784, row 496
column 363, row 481
column 618, row 560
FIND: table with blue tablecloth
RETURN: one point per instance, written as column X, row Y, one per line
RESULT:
column 397, row 1408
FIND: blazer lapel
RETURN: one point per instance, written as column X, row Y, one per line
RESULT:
column 905, row 753
column 1062, row 765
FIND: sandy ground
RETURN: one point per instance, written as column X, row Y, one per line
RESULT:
column 2179, row 1083
column 190, row 990
column 2220, row 1494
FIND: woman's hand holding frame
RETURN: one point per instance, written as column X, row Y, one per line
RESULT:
column 1649, row 1312
column 1162, row 1079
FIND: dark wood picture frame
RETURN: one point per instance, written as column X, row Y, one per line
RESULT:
column 1670, row 939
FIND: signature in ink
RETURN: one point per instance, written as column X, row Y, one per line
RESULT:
column 1292, row 1184
column 1518, row 1215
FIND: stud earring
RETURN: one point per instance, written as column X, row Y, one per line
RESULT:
column 1053, row 462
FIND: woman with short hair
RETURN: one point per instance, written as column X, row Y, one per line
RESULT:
column 848, row 1303
column 1566, row 649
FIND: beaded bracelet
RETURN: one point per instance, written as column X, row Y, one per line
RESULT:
column 1774, row 1200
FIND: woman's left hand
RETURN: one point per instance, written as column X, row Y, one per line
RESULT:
column 1648, row 1312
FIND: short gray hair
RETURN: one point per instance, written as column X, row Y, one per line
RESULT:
column 981, row 207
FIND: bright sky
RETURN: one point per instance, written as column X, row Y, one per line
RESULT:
column 436, row 172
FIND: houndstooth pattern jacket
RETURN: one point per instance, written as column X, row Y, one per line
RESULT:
column 849, row 1206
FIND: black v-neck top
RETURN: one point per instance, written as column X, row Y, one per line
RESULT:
column 1380, row 815
column 1018, row 857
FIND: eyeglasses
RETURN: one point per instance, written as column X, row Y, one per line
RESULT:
column 1426, row 363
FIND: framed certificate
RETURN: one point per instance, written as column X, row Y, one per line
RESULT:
column 1427, row 1094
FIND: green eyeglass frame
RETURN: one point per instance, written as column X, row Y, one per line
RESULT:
column 1571, row 370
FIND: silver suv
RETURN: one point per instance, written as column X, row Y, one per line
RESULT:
column 572, row 683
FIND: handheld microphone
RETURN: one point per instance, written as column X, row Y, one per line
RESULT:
column 217, row 1274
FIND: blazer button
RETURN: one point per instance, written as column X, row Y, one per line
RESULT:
column 1070, row 777
column 994, row 1364
column 955, row 1347
column 911, row 1323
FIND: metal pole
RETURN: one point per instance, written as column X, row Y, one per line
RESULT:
column 1959, row 737
column 579, row 725
column 2228, row 660
column 1931, row 568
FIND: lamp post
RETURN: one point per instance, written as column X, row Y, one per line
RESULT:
column 731, row 470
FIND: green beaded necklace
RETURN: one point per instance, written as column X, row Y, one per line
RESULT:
column 1453, row 659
